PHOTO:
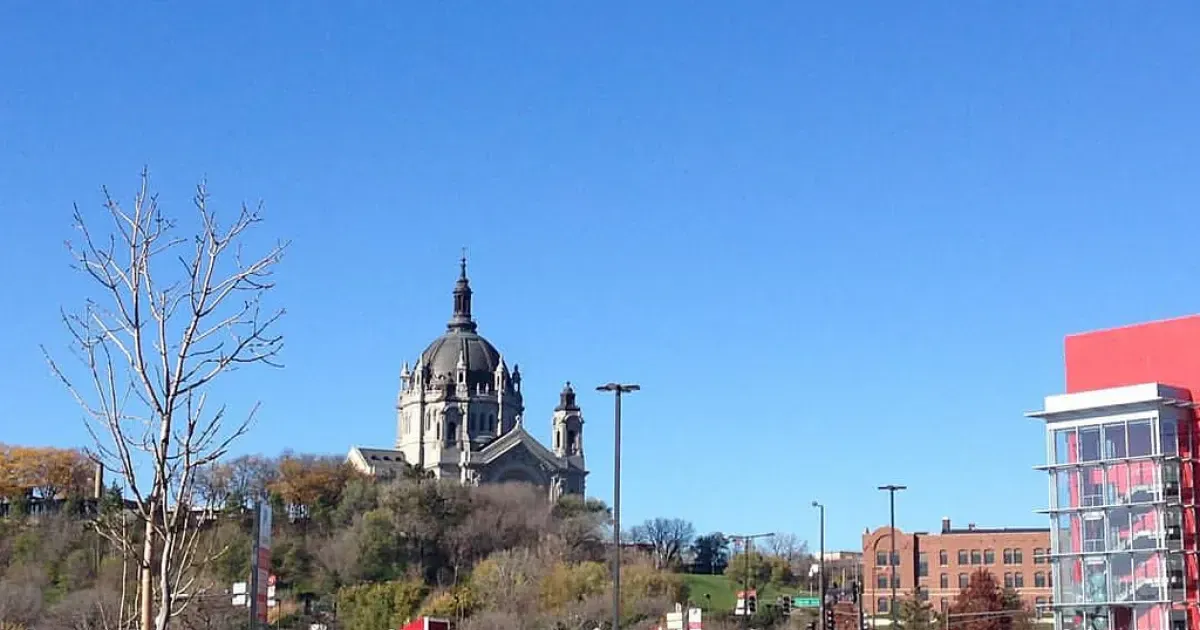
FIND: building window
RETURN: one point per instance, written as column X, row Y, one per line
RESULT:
column 1008, row 580
column 942, row 604
column 881, row 580
column 976, row 557
column 962, row 556
column 1038, row 558
column 896, row 559
column 944, row 581
column 923, row 594
column 922, row 565
column 943, row 558
column 1019, row 580
column 1017, row 559
column 1008, row 556
column 882, row 605
column 881, row 558
column 1049, row 578
column 1039, row 580
column 896, row 581
column 1038, row 604
column 962, row 580
column 989, row 556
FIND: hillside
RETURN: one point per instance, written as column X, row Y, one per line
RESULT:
column 722, row 592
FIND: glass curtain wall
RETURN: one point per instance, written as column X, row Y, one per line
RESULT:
column 1114, row 505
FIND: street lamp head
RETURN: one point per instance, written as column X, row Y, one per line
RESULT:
column 893, row 487
column 618, row 387
column 815, row 504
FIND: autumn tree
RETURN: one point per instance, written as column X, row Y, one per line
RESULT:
column 47, row 473
column 309, row 483
column 169, row 317
column 984, row 605
column 668, row 537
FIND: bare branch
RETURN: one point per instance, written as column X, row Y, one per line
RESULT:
column 149, row 343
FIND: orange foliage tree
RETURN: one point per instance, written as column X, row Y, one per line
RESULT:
column 45, row 472
column 306, row 481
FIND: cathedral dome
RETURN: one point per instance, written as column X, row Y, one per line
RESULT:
column 461, row 344
column 481, row 357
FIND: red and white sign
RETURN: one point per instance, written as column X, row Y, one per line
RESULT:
column 425, row 623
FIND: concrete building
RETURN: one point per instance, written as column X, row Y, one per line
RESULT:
column 459, row 415
column 940, row 564
column 1120, row 446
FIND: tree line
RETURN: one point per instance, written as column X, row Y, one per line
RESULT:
column 350, row 550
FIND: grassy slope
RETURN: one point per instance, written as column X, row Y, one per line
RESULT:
column 724, row 593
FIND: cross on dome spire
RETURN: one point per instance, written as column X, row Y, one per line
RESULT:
column 461, row 320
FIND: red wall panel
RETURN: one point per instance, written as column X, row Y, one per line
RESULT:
column 1166, row 352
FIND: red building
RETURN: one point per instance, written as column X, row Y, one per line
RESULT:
column 1123, row 497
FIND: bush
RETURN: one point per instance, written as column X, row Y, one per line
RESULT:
column 383, row 605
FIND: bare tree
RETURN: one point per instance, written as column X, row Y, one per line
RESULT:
column 173, row 314
column 791, row 549
column 669, row 537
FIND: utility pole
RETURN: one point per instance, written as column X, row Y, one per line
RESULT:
column 891, row 490
column 617, row 389
column 821, row 564
column 747, row 540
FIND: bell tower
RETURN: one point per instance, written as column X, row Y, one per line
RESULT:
column 568, row 427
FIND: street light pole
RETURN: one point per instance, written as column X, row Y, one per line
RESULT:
column 821, row 564
column 746, row 541
column 891, row 490
column 617, row 389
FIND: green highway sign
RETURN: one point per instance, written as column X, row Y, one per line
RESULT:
column 806, row 602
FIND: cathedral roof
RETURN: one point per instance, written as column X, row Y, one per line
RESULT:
column 461, row 342
column 518, row 437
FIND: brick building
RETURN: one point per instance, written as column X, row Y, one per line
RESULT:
column 940, row 564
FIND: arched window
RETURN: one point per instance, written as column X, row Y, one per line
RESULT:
column 450, row 433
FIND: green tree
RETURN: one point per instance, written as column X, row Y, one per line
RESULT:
column 379, row 553
column 711, row 553
column 759, row 569
column 382, row 605
column 915, row 613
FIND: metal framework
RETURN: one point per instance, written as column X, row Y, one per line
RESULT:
column 1122, row 511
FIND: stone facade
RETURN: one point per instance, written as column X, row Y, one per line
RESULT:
column 460, row 416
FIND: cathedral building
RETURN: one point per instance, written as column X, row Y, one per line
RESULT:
column 460, row 415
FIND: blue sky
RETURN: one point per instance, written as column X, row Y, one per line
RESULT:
column 837, row 246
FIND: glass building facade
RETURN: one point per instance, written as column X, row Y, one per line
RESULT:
column 1116, row 461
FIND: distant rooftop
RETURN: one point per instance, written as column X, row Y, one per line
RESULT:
column 973, row 529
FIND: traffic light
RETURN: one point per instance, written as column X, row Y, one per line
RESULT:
column 751, row 603
column 785, row 605
column 828, row 617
